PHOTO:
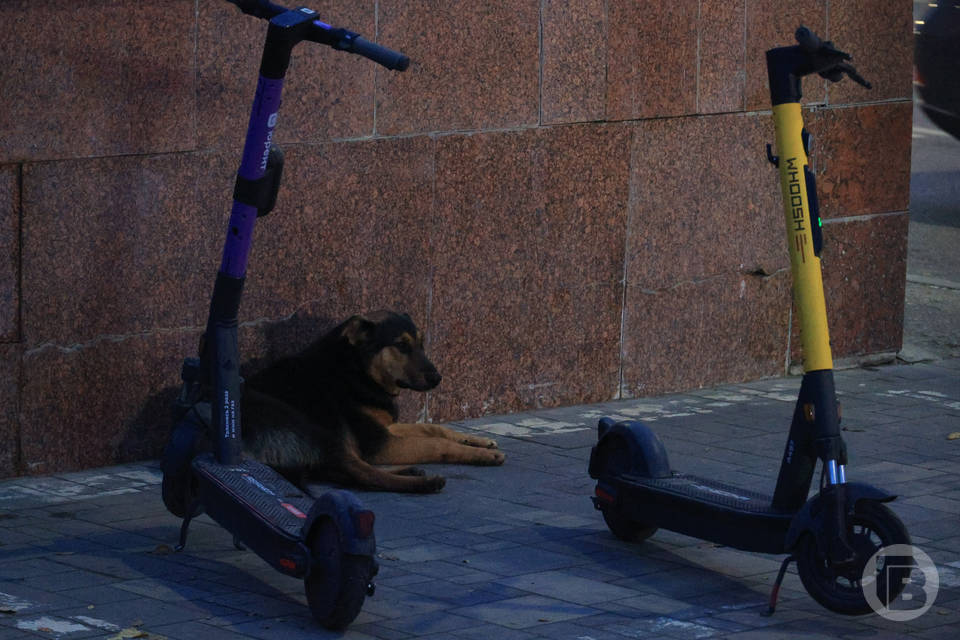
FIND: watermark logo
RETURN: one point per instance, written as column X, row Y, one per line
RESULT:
column 900, row 566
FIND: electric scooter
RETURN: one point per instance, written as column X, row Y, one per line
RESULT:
column 329, row 541
column 833, row 534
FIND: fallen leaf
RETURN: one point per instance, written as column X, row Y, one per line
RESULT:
column 129, row 632
column 954, row 436
column 162, row 550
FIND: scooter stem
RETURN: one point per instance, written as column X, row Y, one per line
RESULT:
column 815, row 431
column 804, row 251
column 255, row 192
column 220, row 353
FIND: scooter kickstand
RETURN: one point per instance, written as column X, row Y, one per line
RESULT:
column 775, row 592
column 185, row 526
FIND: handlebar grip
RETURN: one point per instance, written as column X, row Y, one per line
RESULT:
column 808, row 40
column 387, row 57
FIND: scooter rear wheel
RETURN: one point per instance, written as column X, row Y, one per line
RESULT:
column 839, row 588
column 626, row 529
column 338, row 582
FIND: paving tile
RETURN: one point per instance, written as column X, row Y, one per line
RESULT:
column 487, row 631
column 425, row 552
column 588, row 627
column 27, row 600
column 191, row 630
column 526, row 611
column 667, row 626
column 682, row 583
column 396, row 603
column 427, row 623
column 560, row 585
column 459, row 595
column 518, row 560
column 291, row 629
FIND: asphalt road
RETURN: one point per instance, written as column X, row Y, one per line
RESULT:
column 932, row 311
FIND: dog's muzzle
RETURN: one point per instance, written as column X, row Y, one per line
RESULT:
column 430, row 380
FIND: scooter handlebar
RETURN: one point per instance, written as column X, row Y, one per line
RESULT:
column 325, row 34
column 387, row 57
column 825, row 59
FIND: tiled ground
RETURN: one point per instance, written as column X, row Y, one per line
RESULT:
column 506, row 553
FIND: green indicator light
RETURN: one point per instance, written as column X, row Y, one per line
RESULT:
column 819, row 221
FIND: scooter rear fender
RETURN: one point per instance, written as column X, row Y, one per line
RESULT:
column 354, row 522
column 628, row 447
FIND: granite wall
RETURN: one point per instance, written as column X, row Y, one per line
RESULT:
column 571, row 197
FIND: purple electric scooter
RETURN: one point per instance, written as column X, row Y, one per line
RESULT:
column 329, row 541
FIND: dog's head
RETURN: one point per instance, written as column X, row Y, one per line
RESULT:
column 391, row 349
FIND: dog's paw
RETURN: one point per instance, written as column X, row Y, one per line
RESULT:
column 494, row 458
column 478, row 441
column 409, row 471
column 434, row 484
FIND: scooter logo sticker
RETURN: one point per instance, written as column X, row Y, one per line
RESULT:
column 271, row 123
column 258, row 484
column 794, row 194
column 913, row 569
column 722, row 493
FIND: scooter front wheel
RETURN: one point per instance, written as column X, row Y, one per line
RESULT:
column 871, row 527
column 338, row 582
column 626, row 529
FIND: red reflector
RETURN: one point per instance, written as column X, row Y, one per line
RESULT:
column 288, row 564
column 603, row 495
column 363, row 523
column 292, row 509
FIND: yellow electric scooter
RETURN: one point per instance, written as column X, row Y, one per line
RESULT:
column 833, row 535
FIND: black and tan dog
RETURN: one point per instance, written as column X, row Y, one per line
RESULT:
column 330, row 412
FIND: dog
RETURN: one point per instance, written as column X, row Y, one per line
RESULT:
column 330, row 412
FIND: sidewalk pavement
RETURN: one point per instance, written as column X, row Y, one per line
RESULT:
column 505, row 553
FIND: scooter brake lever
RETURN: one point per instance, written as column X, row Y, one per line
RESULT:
column 847, row 68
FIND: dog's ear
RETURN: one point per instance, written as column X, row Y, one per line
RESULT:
column 358, row 330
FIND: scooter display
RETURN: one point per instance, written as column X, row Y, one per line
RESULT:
column 833, row 534
column 328, row 541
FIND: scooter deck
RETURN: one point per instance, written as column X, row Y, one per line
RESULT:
column 702, row 508
column 260, row 507
column 706, row 490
